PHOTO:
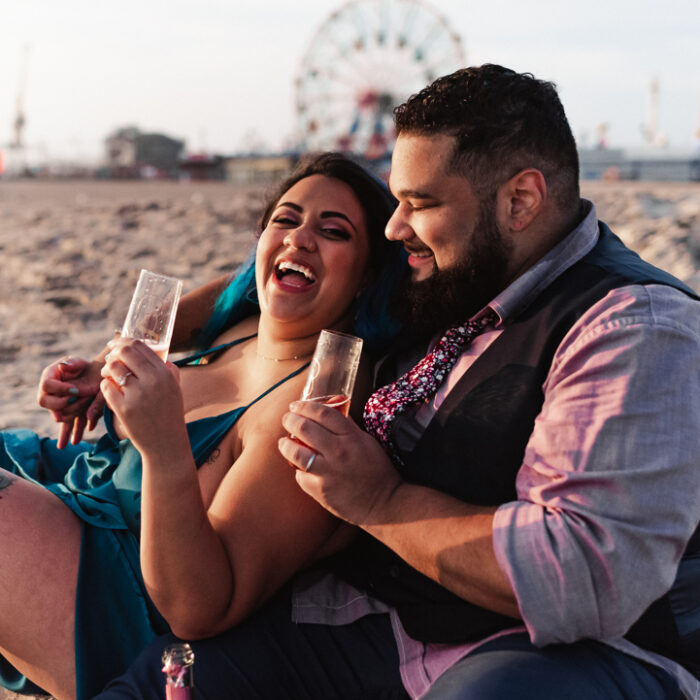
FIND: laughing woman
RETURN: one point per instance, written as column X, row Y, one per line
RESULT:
column 185, row 517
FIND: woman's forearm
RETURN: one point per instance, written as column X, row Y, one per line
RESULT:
column 185, row 565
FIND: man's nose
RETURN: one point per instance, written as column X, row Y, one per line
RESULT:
column 397, row 228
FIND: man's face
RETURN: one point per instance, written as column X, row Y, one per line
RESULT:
column 458, row 257
column 437, row 208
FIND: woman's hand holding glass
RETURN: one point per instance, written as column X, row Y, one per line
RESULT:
column 138, row 357
column 143, row 392
column 70, row 387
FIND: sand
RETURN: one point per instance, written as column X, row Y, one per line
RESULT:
column 71, row 253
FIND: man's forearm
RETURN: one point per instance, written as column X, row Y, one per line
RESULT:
column 447, row 540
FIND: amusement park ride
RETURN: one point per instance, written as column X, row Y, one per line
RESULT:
column 366, row 58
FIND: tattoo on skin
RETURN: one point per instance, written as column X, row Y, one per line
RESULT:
column 5, row 481
column 213, row 456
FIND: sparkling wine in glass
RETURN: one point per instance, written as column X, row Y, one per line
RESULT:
column 332, row 372
column 151, row 315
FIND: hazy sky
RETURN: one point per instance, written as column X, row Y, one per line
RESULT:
column 219, row 73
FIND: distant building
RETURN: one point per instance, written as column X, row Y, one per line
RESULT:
column 202, row 167
column 257, row 169
column 651, row 165
column 133, row 154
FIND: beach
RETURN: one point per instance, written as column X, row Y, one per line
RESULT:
column 71, row 252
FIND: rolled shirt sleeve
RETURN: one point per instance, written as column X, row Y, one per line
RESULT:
column 609, row 490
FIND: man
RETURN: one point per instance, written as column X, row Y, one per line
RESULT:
column 527, row 492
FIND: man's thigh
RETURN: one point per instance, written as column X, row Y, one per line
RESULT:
column 269, row 657
column 512, row 667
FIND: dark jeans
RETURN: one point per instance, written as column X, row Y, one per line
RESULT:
column 271, row 658
column 513, row 668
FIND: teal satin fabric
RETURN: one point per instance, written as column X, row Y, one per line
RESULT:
column 101, row 484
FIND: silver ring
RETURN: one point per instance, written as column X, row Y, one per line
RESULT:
column 122, row 379
column 310, row 462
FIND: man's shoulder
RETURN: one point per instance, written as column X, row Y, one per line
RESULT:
column 656, row 320
column 654, row 304
column 611, row 255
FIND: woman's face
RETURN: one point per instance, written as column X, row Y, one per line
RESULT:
column 312, row 256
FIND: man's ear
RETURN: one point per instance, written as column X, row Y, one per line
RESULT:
column 521, row 199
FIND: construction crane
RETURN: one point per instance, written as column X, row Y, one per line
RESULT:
column 652, row 135
column 17, row 142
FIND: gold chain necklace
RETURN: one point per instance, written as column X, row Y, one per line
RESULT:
column 283, row 359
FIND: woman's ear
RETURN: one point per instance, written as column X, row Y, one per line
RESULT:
column 521, row 199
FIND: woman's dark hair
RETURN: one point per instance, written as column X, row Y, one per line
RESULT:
column 372, row 318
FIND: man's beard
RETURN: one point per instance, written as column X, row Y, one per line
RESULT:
column 454, row 295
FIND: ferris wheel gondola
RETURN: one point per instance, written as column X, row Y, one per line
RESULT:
column 365, row 58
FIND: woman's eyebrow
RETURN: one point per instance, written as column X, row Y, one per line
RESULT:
column 324, row 214
column 291, row 205
column 338, row 214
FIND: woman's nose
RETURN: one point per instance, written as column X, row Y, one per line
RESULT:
column 397, row 229
column 300, row 237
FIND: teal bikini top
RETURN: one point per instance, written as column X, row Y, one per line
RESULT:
column 205, row 435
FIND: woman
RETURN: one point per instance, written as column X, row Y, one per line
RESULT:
column 196, row 519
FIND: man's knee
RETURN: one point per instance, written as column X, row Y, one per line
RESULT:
column 513, row 667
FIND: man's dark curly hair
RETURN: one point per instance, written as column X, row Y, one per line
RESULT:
column 504, row 122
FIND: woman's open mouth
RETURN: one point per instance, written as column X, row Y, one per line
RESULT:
column 291, row 274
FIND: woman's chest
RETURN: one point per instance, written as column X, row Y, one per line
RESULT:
column 209, row 390
column 213, row 470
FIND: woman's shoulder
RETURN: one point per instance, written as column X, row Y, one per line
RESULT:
column 264, row 416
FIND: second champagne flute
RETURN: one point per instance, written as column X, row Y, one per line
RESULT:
column 333, row 370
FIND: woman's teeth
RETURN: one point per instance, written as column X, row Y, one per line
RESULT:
column 286, row 267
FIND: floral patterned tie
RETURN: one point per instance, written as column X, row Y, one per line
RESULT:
column 421, row 382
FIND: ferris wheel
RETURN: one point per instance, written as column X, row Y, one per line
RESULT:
column 366, row 58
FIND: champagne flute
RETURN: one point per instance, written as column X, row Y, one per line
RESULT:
column 151, row 315
column 333, row 370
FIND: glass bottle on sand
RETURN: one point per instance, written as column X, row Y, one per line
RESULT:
column 178, row 662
